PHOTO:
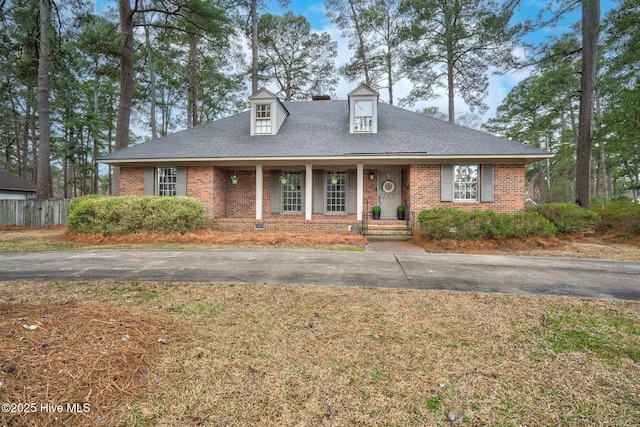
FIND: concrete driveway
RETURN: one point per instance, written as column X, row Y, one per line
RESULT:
column 473, row 273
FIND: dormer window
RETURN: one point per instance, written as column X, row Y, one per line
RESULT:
column 263, row 118
column 267, row 113
column 363, row 110
column 363, row 116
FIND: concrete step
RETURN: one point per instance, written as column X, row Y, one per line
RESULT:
column 388, row 234
column 387, row 227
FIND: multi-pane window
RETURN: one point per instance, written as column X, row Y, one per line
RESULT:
column 263, row 118
column 363, row 116
column 167, row 179
column 336, row 186
column 292, row 192
column 465, row 182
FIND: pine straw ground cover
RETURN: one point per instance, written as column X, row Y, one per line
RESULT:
column 245, row 355
column 22, row 239
column 74, row 364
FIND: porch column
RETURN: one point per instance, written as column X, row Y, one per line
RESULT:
column 259, row 195
column 308, row 192
column 360, row 190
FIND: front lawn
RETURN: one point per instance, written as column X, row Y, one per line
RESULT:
column 167, row 354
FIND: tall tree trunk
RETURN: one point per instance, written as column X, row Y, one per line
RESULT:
column 390, row 74
column 254, row 46
column 451, row 92
column 65, row 163
column 603, row 165
column 43, row 184
column 152, row 81
column 94, row 132
column 126, row 85
column 590, row 23
column 28, row 119
column 16, row 133
column 34, row 146
column 361, row 46
column 192, row 108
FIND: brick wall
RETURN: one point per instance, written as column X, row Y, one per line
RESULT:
column 509, row 186
column 222, row 200
column 200, row 185
column 370, row 192
column 335, row 224
column 132, row 181
column 241, row 197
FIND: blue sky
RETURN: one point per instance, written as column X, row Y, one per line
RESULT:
column 499, row 85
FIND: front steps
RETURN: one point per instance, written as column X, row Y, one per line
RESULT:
column 387, row 230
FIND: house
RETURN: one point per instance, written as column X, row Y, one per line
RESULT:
column 15, row 188
column 323, row 164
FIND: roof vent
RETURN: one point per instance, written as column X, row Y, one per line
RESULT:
column 321, row 98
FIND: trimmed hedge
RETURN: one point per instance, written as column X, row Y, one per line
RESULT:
column 132, row 214
column 568, row 218
column 451, row 223
column 621, row 218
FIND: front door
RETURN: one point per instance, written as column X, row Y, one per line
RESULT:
column 388, row 192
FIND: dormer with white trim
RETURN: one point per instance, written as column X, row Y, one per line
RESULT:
column 267, row 113
column 363, row 110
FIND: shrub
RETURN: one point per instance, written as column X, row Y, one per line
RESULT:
column 131, row 214
column 568, row 218
column 530, row 224
column 622, row 218
column 487, row 225
column 83, row 214
column 440, row 223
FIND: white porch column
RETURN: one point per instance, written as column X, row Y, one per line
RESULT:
column 308, row 192
column 259, row 195
column 360, row 190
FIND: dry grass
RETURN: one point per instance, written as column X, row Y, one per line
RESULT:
column 221, row 238
column 59, row 238
column 245, row 355
column 285, row 355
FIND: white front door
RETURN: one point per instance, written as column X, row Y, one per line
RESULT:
column 388, row 192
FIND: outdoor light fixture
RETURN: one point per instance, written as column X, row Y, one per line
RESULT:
column 371, row 175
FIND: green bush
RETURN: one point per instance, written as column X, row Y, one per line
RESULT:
column 568, row 218
column 621, row 218
column 131, row 214
column 531, row 224
column 487, row 225
column 441, row 223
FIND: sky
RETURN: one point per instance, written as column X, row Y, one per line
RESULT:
column 499, row 85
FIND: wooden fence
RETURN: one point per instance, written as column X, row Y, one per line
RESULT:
column 34, row 213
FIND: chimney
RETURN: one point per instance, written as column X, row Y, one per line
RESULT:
column 321, row 98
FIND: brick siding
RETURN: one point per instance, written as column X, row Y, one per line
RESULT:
column 132, row 181
column 232, row 206
column 509, row 187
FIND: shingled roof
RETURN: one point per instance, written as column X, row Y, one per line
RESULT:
column 11, row 182
column 320, row 129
